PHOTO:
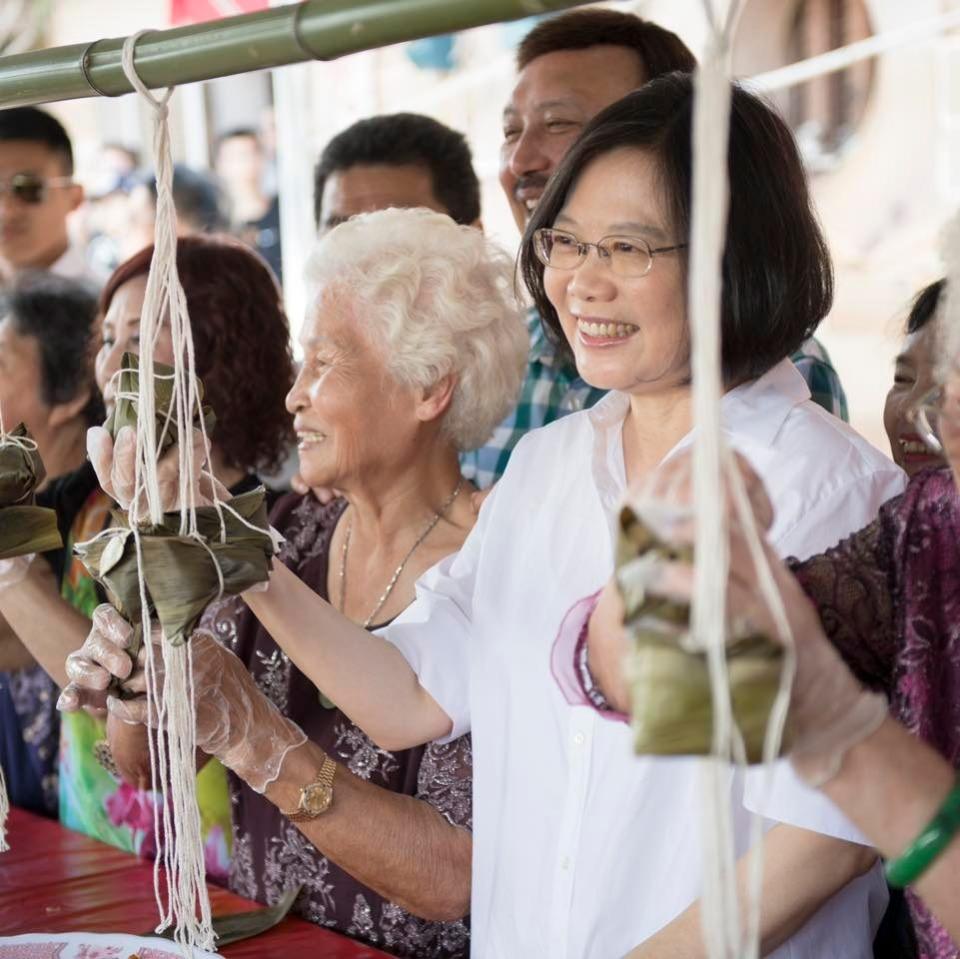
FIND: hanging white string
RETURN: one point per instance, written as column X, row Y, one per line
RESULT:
column 186, row 906
column 712, row 462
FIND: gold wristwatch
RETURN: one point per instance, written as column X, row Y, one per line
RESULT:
column 316, row 797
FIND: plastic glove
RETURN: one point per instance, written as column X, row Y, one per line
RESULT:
column 236, row 723
column 14, row 570
column 829, row 710
column 115, row 463
column 94, row 665
column 672, row 484
column 950, row 426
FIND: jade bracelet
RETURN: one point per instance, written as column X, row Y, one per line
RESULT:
column 921, row 853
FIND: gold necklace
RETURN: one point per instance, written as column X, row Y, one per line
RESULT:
column 396, row 576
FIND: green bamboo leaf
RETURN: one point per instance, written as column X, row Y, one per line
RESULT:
column 24, row 527
column 671, row 695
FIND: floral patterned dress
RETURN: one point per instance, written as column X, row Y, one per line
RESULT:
column 889, row 599
column 271, row 855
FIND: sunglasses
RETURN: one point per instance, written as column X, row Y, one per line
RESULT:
column 31, row 188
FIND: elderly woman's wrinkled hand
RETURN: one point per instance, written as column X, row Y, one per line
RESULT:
column 235, row 722
column 102, row 658
column 115, row 465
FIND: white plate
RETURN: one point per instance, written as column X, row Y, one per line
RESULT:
column 89, row 945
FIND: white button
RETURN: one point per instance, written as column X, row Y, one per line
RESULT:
column 579, row 739
column 565, row 863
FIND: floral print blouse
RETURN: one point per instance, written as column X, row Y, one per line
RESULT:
column 269, row 854
column 889, row 599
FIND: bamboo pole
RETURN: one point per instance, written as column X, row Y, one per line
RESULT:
column 314, row 29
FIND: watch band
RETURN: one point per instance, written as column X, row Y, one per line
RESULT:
column 315, row 797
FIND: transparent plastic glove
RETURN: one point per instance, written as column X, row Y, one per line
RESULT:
column 950, row 426
column 829, row 710
column 93, row 667
column 672, row 485
column 236, row 723
column 115, row 462
column 14, row 570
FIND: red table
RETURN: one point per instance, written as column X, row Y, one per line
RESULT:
column 55, row 880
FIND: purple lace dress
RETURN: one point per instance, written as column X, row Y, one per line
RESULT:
column 270, row 854
column 889, row 598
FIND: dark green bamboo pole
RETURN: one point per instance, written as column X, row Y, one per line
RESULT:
column 315, row 29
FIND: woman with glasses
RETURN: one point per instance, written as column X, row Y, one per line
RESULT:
column 580, row 849
column 888, row 600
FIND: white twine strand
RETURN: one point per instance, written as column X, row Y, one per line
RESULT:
column 186, row 906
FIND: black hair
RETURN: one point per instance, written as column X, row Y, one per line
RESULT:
column 659, row 51
column 925, row 305
column 37, row 126
column 406, row 139
column 198, row 197
column 59, row 314
column 777, row 272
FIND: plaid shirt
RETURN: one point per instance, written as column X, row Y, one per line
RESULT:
column 552, row 389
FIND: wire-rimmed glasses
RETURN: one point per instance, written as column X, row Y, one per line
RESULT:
column 627, row 256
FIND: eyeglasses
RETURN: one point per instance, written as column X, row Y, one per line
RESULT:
column 31, row 188
column 628, row 256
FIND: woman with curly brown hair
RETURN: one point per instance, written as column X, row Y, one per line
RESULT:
column 243, row 356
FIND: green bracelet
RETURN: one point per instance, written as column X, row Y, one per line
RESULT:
column 923, row 851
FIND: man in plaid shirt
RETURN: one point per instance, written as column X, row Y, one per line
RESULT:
column 570, row 67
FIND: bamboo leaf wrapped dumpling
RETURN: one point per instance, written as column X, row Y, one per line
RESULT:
column 672, row 702
column 126, row 405
column 230, row 552
column 24, row 527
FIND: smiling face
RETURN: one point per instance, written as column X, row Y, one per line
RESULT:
column 121, row 334
column 34, row 235
column 352, row 418
column 556, row 95
column 913, row 377
column 626, row 333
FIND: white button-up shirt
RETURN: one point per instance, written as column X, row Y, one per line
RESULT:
column 580, row 848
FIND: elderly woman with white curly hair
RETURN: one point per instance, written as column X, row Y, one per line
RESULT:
column 414, row 350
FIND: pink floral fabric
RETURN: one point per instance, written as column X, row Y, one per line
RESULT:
column 889, row 598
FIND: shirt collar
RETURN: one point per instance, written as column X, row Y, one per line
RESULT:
column 754, row 412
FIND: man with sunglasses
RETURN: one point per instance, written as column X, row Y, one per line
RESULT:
column 37, row 195
column 570, row 67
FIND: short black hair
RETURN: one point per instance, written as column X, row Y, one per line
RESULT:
column 925, row 305
column 660, row 51
column 197, row 197
column 59, row 314
column 406, row 139
column 777, row 272
column 37, row 126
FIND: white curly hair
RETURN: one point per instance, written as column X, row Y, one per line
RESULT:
column 439, row 298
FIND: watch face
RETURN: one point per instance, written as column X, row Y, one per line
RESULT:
column 316, row 799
